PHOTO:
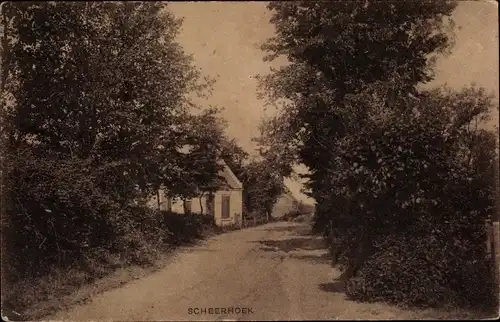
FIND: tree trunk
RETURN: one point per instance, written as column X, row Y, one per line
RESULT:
column 359, row 252
column 336, row 247
column 201, row 202
column 210, row 203
column 5, row 51
column 351, row 265
column 335, row 255
column 158, row 197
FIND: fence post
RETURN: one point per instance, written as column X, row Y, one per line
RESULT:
column 495, row 226
column 495, row 252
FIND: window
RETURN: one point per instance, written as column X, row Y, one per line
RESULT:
column 225, row 206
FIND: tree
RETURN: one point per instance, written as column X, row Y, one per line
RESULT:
column 98, row 100
column 198, row 170
column 391, row 164
column 334, row 49
column 234, row 156
column 102, row 81
column 263, row 186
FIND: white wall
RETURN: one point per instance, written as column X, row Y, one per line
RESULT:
column 178, row 205
column 235, row 206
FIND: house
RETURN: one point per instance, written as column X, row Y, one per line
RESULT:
column 286, row 203
column 226, row 204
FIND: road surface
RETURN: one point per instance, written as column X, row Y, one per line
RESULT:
column 272, row 272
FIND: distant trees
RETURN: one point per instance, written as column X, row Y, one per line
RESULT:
column 263, row 186
column 391, row 164
column 262, row 177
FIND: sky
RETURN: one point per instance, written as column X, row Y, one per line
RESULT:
column 224, row 39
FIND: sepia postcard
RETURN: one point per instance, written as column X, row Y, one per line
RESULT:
column 249, row 161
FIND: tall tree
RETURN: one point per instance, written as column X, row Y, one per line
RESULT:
column 98, row 103
column 105, row 81
column 199, row 155
column 391, row 164
column 335, row 49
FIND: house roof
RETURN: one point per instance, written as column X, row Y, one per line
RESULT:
column 230, row 177
column 231, row 181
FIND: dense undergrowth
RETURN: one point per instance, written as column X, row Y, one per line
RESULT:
column 411, row 197
column 151, row 235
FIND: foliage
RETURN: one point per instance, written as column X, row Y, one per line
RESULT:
column 95, row 111
column 234, row 156
column 263, row 186
column 390, row 163
column 414, row 176
column 64, row 216
column 424, row 272
column 198, row 163
column 186, row 228
column 427, row 179
column 100, row 81
column 335, row 49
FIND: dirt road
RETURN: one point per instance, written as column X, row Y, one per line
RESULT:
column 275, row 271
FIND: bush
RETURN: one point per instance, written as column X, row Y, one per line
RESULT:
column 291, row 215
column 421, row 272
column 186, row 228
column 302, row 218
column 411, row 195
column 228, row 228
column 62, row 214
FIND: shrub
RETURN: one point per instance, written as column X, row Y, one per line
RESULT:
column 291, row 215
column 422, row 272
column 186, row 228
column 411, row 194
column 60, row 214
column 231, row 227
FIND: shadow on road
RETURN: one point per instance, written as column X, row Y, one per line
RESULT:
column 334, row 287
column 321, row 259
column 292, row 244
column 297, row 238
column 296, row 230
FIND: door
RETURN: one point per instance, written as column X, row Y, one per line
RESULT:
column 225, row 207
column 187, row 206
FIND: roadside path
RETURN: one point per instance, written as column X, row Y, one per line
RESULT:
column 272, row 272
